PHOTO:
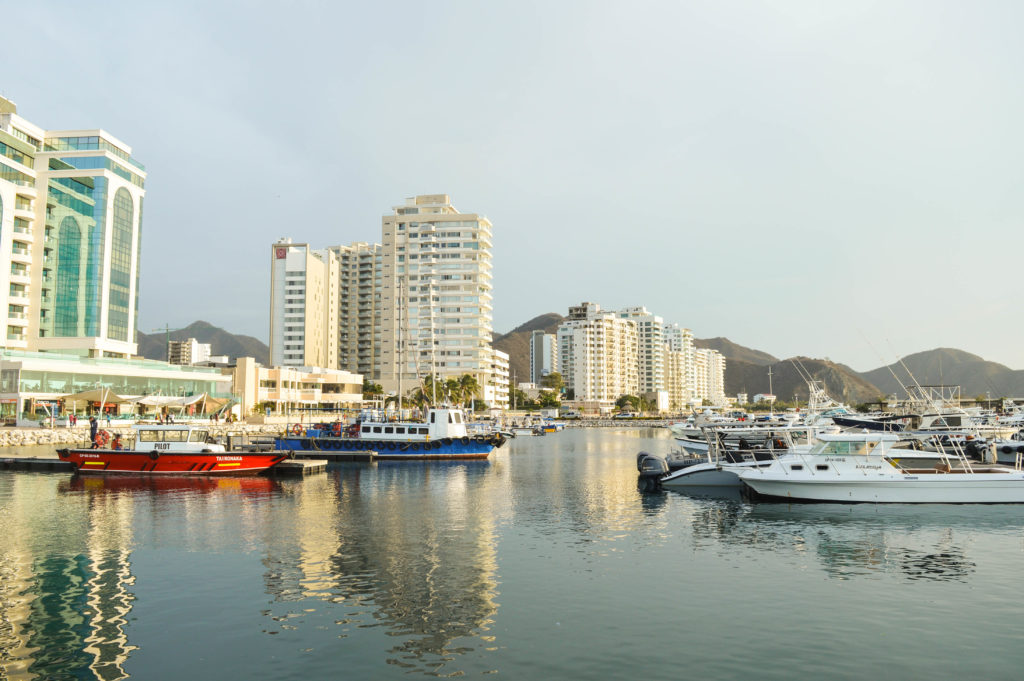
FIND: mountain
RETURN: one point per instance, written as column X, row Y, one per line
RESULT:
column 517, row 343
column 735, row 352
column 154, row 346
column 841, row 382
column 948, row 366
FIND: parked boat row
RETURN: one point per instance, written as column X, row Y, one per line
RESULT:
column 868, row 466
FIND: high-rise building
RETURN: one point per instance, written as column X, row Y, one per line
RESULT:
column 303, row 306
column 436, row 316
column 680, row 371
column 360, row 268
column 543, row 355
column 650, row 348
column 710, row 376
column 70, row 229
column 597, row 353
column 188, row 352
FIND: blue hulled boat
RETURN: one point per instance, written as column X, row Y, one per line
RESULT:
column 442, row 435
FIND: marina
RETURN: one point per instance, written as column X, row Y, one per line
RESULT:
column 539, row 560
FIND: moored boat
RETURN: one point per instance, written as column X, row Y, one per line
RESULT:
column 174, row 450
column 871, row 467
column 442, row 435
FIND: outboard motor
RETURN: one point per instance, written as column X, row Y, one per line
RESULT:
column 652, row 469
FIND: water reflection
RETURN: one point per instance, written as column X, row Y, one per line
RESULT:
column 413, row 549
column 849, row 541
column 64, row 613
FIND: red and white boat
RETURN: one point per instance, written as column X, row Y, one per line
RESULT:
column 172, row 449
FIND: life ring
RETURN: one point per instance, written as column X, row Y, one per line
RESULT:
column 102, row 438
column 154, row 455
column 297, row 429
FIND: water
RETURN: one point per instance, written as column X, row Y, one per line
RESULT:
column 544, row 562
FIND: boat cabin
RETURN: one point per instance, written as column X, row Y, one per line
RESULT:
column 441, row 422
column 175, row 438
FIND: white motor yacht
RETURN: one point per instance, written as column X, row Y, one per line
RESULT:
column 873, row 467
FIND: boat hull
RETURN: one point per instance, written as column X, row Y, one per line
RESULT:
column 709, row 475
column 109, row 461
column 448, row 448
column 928, row 488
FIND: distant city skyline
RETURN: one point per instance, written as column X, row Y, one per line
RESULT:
column 832, row 180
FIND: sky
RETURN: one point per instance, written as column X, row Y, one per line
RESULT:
column 834, row 180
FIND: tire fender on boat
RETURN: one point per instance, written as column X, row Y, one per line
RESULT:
column 154, row 455
column 62, row 453
column 465, row 440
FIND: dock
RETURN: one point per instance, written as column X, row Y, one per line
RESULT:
column 24, row 463
column 364, row 456
column 298, row 467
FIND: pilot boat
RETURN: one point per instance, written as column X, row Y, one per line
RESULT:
column 177, row 449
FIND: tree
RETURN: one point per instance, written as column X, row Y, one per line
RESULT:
column 469, row 387
column 371, row 388
column 549, row 400
column 553, row 381
column 631, row 402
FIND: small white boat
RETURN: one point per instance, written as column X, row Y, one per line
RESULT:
column 870, row 467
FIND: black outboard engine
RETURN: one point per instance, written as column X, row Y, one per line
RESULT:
column 652, row 468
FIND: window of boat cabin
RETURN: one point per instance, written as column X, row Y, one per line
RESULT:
column 366, row 429
column 389, row 429
column 458, row 417
column 175, row 435
column 433, row 416
column 376, row 429
column 844, row 448
column 400, row 430
column 149, row 436
column 423, row 431
column 197, row 436
column 451, row 418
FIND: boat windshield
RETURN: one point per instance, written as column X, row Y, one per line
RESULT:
column 197, row 436
column 844, row 447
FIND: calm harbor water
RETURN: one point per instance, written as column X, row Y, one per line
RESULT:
column 543, row 562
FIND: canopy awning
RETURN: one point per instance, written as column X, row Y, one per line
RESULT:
column 170, row 400
column 94, row 396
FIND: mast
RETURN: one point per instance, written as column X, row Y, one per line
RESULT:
column 400, row 340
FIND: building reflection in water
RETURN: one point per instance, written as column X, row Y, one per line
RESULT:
column 65, row 567
column 849, row 541
column 66, row 588
column 413, row 550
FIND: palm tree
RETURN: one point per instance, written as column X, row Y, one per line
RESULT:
column 469, row 387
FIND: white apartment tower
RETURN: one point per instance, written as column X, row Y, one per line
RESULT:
column 650, row 348
column 303, row 306
column 680, row 370
column 710, row 376
column 360, row 271
column 437, row 304
column 597, row 354
column 543, row 355
column 70, row 237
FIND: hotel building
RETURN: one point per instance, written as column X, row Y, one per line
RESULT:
column 304, row 290
column 70, row 233
column 597, row 354
column 436, row 298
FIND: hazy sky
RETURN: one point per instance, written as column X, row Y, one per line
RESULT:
column 838, row 180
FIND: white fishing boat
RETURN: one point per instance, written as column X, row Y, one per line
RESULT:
column 727, row 451
column 872, row 467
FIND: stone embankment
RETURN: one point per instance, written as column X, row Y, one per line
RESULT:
column 619, row 423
